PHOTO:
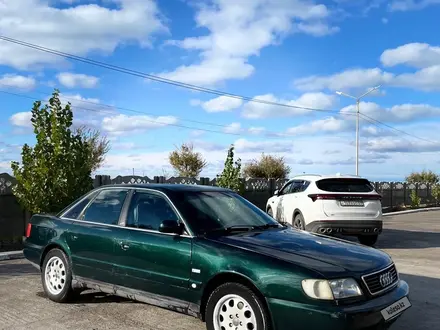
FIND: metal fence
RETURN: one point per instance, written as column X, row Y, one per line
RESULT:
column 13, row 218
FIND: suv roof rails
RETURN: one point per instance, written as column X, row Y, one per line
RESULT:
column 306, row 174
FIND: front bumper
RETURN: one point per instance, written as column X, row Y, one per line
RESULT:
column 287, row 315
column 346, row 227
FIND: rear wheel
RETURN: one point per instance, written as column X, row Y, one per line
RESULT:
column 56, row 276
column 298, row 222
column 369, row 240
column 234, row 306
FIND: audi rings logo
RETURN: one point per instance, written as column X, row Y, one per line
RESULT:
column 386, row 279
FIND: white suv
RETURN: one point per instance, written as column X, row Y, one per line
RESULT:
column 339, row 204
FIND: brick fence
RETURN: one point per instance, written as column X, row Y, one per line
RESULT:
column 13, row 218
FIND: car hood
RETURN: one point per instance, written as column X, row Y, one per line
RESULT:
column 329, row 256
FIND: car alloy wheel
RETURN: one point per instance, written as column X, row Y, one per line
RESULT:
column 298, row 222
column 55, row 275
column 234, row 312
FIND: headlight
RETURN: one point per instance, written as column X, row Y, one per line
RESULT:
column 332, row 289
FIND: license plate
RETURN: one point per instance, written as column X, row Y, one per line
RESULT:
column 352, row 203
column 396, row 308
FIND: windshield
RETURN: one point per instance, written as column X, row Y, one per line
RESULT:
column 207, row 211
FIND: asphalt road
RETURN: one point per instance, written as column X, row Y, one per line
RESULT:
column 412, row 240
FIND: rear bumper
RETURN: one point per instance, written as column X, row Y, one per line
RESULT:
column 367, row 315
column 346, row 227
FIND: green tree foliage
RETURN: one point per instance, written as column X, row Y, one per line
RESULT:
column 268, row 167
column 415, row 199
column 230, row 177
column 186, row 161
column 57, row 170
column 98, row 146
column 424, row 176
column 435, row 191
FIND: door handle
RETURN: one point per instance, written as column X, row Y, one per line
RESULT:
column 74, row 237
column 124, row 246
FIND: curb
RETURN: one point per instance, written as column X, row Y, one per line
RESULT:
column 11, row 255
column 411, row 211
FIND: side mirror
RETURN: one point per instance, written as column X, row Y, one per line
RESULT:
column 275, row 193
column 170, row 227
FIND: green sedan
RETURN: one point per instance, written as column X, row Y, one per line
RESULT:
column 208, row 252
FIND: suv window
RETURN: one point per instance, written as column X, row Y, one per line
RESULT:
column 286, row 189
column 74, row 212
column 106, row 207
column 148, row 210
column 297, row 186
column 345, row 185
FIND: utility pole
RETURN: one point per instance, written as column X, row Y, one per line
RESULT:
column 358, row 100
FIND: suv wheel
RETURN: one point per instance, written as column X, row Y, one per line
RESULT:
column 234, row 306
column 298, row 222
column 56, row 276
column 369, row 240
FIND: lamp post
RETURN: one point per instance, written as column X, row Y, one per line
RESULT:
column 358, row 99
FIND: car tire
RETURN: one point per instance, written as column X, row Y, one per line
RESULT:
column 298, row 222
column 56, row 276
column 369, row 240
column 270, row 212
column 233, row 306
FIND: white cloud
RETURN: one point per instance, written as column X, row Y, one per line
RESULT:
column 233, row 128
column 388, row 145
column 256, row 130
column 326, row 125
column 255, row 110
column 121, row 124
column 407, row 5
column 271, row 146
column 17, row 81
column 426, row 79
column 21, row 119
column 418, row 55
column 221, row 103
column 239, row 30
column 348, row 79
column 77, row 30
column 396, row 114
column 72, row 80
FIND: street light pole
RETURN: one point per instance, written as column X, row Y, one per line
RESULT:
column 358, row 100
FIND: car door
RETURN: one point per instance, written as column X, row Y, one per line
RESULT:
column 149, row 260
column 91, row 236
column 279, row 214
column 292, row 201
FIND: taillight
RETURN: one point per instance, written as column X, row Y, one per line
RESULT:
column 28, row 230
column 315, row 197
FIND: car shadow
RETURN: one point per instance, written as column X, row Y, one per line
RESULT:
column 93, row 297
column 402, row 239
column 406, row 239
column 423, row 314
column 17, row 269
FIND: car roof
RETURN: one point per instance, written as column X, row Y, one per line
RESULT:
column 316, row 177
column 167, row 187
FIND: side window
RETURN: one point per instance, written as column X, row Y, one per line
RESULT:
column 297, row 185
column 74, row 212
column 106, row 207
column 147, row 211
column 305, row 185
column 286, row 189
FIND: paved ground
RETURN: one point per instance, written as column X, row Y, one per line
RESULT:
column 412, row 240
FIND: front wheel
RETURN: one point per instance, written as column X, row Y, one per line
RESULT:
column 234, row 306
column 369, row 240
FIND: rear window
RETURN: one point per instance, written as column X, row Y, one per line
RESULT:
column 345, row 185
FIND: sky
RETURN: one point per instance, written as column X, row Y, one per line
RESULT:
column 298, row 53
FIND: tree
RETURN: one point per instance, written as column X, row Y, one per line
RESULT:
column 186, row 161
column 268, row 167
column 230, row 177
column 423, row 176
column 98, row 146
column 57, row 170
